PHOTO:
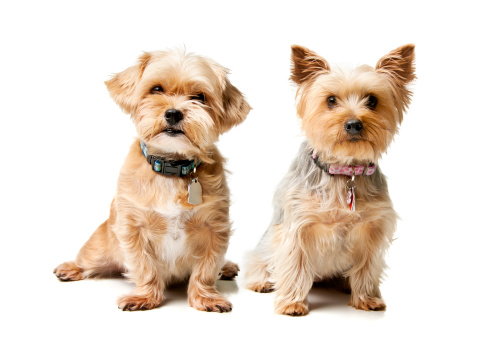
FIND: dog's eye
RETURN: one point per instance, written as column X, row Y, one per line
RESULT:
column 156, row 89
column 331, row 101
column 199, row 97
column 372, row 102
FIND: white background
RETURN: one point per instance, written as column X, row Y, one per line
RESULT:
column 63, row 141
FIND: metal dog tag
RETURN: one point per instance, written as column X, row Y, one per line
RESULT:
column 351, row 199
column 350, row 195
column 195, row 192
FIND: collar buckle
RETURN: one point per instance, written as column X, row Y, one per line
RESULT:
column 177, row 168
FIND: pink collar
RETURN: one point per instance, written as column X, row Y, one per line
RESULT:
column 346, row 170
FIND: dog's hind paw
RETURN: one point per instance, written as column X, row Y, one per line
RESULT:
column 68, row 271
column 262, row 288
column 229, row 271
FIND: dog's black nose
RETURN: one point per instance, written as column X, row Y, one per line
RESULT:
column 173, row 116
column 353, row 126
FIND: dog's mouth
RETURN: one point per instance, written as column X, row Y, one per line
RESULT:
column 172, row 132
column 354, row 139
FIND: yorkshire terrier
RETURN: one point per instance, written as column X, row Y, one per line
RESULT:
column 169, row 219
column 333, row 217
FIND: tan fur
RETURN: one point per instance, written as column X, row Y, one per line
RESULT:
column 314, row 236
column 153, row 235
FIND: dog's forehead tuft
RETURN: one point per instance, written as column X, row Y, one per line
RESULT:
column 178, row 67
column 346, row 82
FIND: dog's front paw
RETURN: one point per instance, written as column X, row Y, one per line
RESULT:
column 262, row 288
column 229, row 271
column 294, row 309
column 367, row 303
column 68, row 271
column 215, row 304
column 133, row 302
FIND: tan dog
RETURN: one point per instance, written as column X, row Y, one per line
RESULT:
column 156, row 235
column 333, row 214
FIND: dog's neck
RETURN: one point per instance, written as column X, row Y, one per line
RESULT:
column 349, row 169
column 330, row 157
column 168, row 165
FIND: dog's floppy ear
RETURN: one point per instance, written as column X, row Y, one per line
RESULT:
column 398, row 67
column 235, row 107
column 122, row 85
column 306, row 64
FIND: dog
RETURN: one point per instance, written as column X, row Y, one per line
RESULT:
column 333, row 217
column 169, row 219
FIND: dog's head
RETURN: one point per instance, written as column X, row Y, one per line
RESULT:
column 179, row 102
column 352, row 115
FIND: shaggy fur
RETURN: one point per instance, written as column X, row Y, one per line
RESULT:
column 313, row 235
column 153, row 235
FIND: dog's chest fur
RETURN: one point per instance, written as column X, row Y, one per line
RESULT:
column 157, row 204
column 312, row 204
column 160, row 199
column 174, row 240
column 174, row 215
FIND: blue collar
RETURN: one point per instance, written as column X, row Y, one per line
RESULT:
column 165, row 167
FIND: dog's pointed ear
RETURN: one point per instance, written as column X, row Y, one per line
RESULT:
column 235, row 107
column 123, row 84
column 398, row 67
column 306, row 64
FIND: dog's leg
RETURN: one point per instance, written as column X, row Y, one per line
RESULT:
column 365, row 275
column 202, row 293
column 292, row 273
column 143, row 264
column 209, row 244
column 257, row 275
column 99, row 256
